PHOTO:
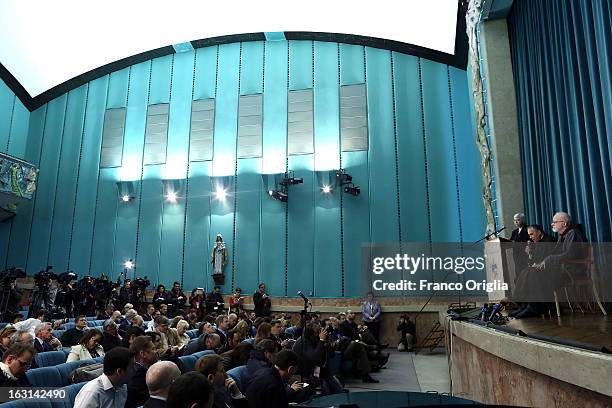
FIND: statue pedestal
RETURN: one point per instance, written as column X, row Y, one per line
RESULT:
column 219, row 278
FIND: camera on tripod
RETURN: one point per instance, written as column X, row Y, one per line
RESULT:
column 141, row 283
column 10, row 275
column 43, row 278
column 66, row 277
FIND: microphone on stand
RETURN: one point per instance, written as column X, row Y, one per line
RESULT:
column 300, row 294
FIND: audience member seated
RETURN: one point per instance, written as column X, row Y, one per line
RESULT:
column 407, row 332
column 236, row 357
column 190, row 390
column 355, row 349
column 130, row 334
column 263, row 332
column 148, row 315
column 181, row 333
column 234, row 338
column 17, row 359
column 144, row 356
column 222, row 323
column 138, row 322
column 267, row 388
column 163, row 310
column 169, row 340
column 225, row 390
column 5, row 338
column 214, row 301
column 261, row 357
column 151, row 323
column 23, row 337
column 44, row 340
column 159, row 378
column 88, row 348
column 109, row 389
column 111, row 337
column 31, row 323
column 205, row 342
column 106, row 314
column 127, row 321
column 197, row 303
column 72, row 337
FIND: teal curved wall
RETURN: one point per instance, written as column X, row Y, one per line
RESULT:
column 419, row 179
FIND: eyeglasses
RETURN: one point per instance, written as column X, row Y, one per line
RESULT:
column 554, row 222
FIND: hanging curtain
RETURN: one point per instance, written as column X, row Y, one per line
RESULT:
column 562, row 63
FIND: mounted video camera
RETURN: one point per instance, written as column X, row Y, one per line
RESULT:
column 66, row 277
column 141, row 283
column 9, row 276
column 42, row 278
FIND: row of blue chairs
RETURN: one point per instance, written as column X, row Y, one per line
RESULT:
column 57, row 375
column 60, row 333
column 236, row 373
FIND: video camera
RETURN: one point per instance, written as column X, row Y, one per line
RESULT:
column 42, row 278
column 9, row 275
column 66, row 277
column 141, row 283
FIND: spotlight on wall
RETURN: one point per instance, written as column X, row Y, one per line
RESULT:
column 342, row 177
column 126, row 191
column 352, row 190
column 326, row 189
column 129, row 264
column 171, row 197
column 278, row 195
column 220, row 193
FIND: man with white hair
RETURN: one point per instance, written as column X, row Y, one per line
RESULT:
column 520, row 233
column 44, row 340
column 160, row 377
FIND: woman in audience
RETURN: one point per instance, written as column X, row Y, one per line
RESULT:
column 5, row 338
column 175, row 321
column 160, row 296
column 196, row 300
column 181, row 328
column 88, row 348
column 263, row 332
column 236, row 357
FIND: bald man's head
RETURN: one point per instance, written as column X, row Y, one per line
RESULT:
column 160, row 376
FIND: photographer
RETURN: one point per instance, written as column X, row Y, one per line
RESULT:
column 85, row 293
column 214, row 301
column 126, row 295
column 407, row 333
column 262, row 302
column 11, row 296
column 236, row 301
column 65, row 293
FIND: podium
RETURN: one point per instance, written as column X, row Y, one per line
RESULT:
column 499, row 265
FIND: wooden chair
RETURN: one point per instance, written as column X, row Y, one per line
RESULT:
column 585, row 281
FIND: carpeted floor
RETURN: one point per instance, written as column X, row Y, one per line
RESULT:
column 400, row 375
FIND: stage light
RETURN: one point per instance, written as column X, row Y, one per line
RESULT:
column 295, row 180
column 278, row 195
column 171, row 197
column 352, row 190
column 326, row 189
column 126, row 198
column 128, row 264
column 343, row 177
column 220, row 194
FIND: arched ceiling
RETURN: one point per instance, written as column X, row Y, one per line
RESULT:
column 44, row 44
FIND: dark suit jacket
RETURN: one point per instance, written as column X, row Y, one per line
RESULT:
column 267, row 389
column 109, row 342
column 138, row 393
column 523, row 236
column 42, row 347
column 154, row 403
column 72, row 337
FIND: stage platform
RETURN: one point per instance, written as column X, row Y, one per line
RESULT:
column 588, row 328
column 499, row 365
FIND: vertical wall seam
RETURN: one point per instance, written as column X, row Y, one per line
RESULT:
column 142, row 172
column 236, row 174
column 452, row 116
column 42, row 143
column 397, row 180
column 93, row 230
column 424, row 134
column 286, row 170
column 314, row 175
column 261, row 196
column 59, row 161
column 78, row 176
column 342, row 277
column 187, row 176
column 10, row 126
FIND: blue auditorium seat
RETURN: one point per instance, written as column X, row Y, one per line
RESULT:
column 291, row 331
column 44, row 377
column 73, row 390
column 69, row 325
column 58, row 333
column 67, row 368
column 3, row 325
column 238, row 374
column 50, row 358
column 199, row 354
column 188, row 363
column 91, row 318
column 192, row 333
column 29, row 404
